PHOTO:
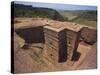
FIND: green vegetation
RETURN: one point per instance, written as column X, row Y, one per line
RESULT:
column 29, row 11
column 85, row 17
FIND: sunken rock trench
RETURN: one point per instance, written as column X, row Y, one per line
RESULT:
column 59, row 50
column 31, row 35
column 59, row 45
column 54, row 43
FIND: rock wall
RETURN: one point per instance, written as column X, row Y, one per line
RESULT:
column 89, row 35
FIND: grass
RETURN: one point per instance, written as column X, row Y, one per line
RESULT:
column 75, row 18
column 68, row 15
column 86, row 22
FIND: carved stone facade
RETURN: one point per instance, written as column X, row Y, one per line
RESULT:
column 61, row 42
